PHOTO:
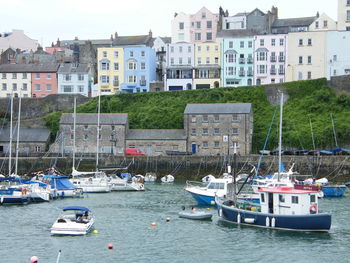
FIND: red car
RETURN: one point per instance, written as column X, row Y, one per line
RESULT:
column 133, row 152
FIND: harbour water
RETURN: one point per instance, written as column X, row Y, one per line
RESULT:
column 124, row 219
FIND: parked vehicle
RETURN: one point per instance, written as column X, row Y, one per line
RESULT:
column 134, row 152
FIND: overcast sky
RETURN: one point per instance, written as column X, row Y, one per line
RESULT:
column 47, row 20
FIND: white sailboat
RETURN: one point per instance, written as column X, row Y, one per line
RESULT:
column 90, row 182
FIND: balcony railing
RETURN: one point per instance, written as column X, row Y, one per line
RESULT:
column 281, row 72
column 281, row 59
column 143, row 82
column 250, row 60
column 241, row 60
column 241, row 73
column 250, row 73
column 273, row 71
column 273, row 59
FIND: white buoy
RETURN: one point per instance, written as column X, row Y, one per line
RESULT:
column 273, row 222
column 239, row 218
column 267, row 221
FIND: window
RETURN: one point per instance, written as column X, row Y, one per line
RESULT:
column 235, row 131
column 116, row 66
column 81, row 88
column 14, row 75
column 197, row 36
column 216, row 48
column 104, row 54
column 241, row 44
column 309, row 75
column 209, row 24
column 104, row 79
column 273, row 42
column 281, row 198
column 295, row 199
column 14, row 86
column 209, row 36
column 131, row 53
column 193, row 131
column 193, row 119
column 132, row 79
column 132, row 65
column 86, row 127
column 216, row 118
column 231, row 71
column 48, row 76
column 116, row 54
column 300, row 60
column 205, row 131
column 230, row 58
column 250, row 44
column 143, row 65
column 80, row 77
column 235, row 117
column 24, row 76
column 25, row 86
column 312, row 198
column 67, row 88
column 37, row 75
column 325, row 24
column 262, row 42
column 262, row 69
column 189, row 60
column 172, row 49
column 4, row 86
column 301, row 42
column 309, row 60
column 37, row 148
column 348, row 15
column 334, row 58
column 281, row 42
column 86, row 136
column 143, row 54
column 317, row 24
column 300, row 75
column 181, row 25
column 216, row 130
column 113, row 128
column 207, row 60
column 199, row 48
column 309, row 42
column 198, row 24
column 262, row 198
column 189, row 49
column 216, row 60
column 48, row 87
column 204, row 15
column 262, row 56
column 205, row 145
column 180, row 49
column 67, row 77
column 216, row 144
column 180, row 61
column 230, row 44
column 171, row 61
column 4, row 75
column 205, row 118
column 104, row 65
column 199, row 60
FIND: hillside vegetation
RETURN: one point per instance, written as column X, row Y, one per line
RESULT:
column 308, row 99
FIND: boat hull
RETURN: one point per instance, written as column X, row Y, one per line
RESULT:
column 13, row 200
column 203, row 199
column 196, row 215
column 317, row 222
column 333, row 191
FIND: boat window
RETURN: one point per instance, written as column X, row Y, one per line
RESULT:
column 262, row 198
column 312, row 198
column 295, row 199
column 216, row 186
column 281, row 197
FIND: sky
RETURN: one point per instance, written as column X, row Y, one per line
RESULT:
column 47, row 20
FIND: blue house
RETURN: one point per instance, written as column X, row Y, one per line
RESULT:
column 237, row 55
column 139, row 68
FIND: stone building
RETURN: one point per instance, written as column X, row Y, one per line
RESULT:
column 31, row 141
column 157, row 142
column 113, row 127
column 213, row 129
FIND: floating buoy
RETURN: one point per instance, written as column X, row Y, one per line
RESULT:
column 212, row 202
column 208, row 208
column 149, row 228
column 153, row 224
column 167, row 219
column 110, row 246
column 95, row 232
column 34, row 259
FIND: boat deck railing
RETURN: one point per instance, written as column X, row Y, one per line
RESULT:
column 195, row 184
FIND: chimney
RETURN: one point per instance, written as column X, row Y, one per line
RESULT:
column 58, row 44
column 115, row 35
column 111, row 37
column 175, row 15
column 318, row 14
column 150, row 33
column 76, row 38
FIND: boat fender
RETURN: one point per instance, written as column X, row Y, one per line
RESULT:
column 313, row 208
column 239, row 218
column 220, row 212
column 2, row 199
column 24, row 191
column 273, row 222
column 267, row 222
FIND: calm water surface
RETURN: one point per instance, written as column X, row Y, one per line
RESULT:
column 124, row 219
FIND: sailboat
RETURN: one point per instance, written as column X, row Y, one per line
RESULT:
column 281, row 207
column 90, row 182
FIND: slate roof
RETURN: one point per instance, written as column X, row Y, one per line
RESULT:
column 294, row 22
column 70, row 68
column 166, row 40
column 18, row 68
column 156, row 135
column 26, row 135
column 220, row 108
column 131, row 40
column 235, row 33
column 242, row 14
column 107, row 42
column 91, row 118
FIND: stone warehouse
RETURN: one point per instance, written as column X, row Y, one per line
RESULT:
column 210, row 129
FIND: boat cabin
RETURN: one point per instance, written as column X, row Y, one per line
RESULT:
column 284, row 200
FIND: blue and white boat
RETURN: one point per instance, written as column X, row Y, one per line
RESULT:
column 61, row 186
column 13, row 195
column 333, row 190
column 280, row 208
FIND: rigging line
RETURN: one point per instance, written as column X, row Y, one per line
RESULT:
column 2, row 128
column 334, row 170
column 199, row 167
column 272, row 163
column 340, row 167
column 266, row 140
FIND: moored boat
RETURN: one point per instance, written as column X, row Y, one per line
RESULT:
column 167, row 179
column 333, row 190
column 150, row 177
column 195, row 214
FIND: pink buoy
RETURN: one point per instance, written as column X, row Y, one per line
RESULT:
column 34, row 259
column 110, row 246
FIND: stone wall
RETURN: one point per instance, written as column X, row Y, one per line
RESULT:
column 341, row 84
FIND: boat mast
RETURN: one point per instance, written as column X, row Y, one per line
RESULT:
column 280, row 139
column 312, row 134
column 10, row 148
column 18, row 127
column 74, row 124
column 98, row 128
column 234, row 172
column 335, row 135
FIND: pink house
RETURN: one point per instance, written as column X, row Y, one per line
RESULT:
column 203, row 26
column 44, row 79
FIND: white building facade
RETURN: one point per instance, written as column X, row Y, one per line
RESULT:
column 338, row 55
column 344, row 15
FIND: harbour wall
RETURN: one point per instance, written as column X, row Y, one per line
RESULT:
column 335, row 168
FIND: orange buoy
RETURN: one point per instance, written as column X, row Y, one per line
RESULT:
column 153, row 224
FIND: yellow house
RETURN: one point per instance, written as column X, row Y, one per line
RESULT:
column 207, row 65
column 110, row 69
column 306, row 55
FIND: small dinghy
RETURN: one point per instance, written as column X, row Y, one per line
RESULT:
column 196, row 214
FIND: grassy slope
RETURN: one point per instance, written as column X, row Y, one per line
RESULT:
column 164, row 110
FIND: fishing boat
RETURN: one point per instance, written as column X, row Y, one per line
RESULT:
column 167, row 179
column 76, row 220
column 150, row 177
column 280, row 207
